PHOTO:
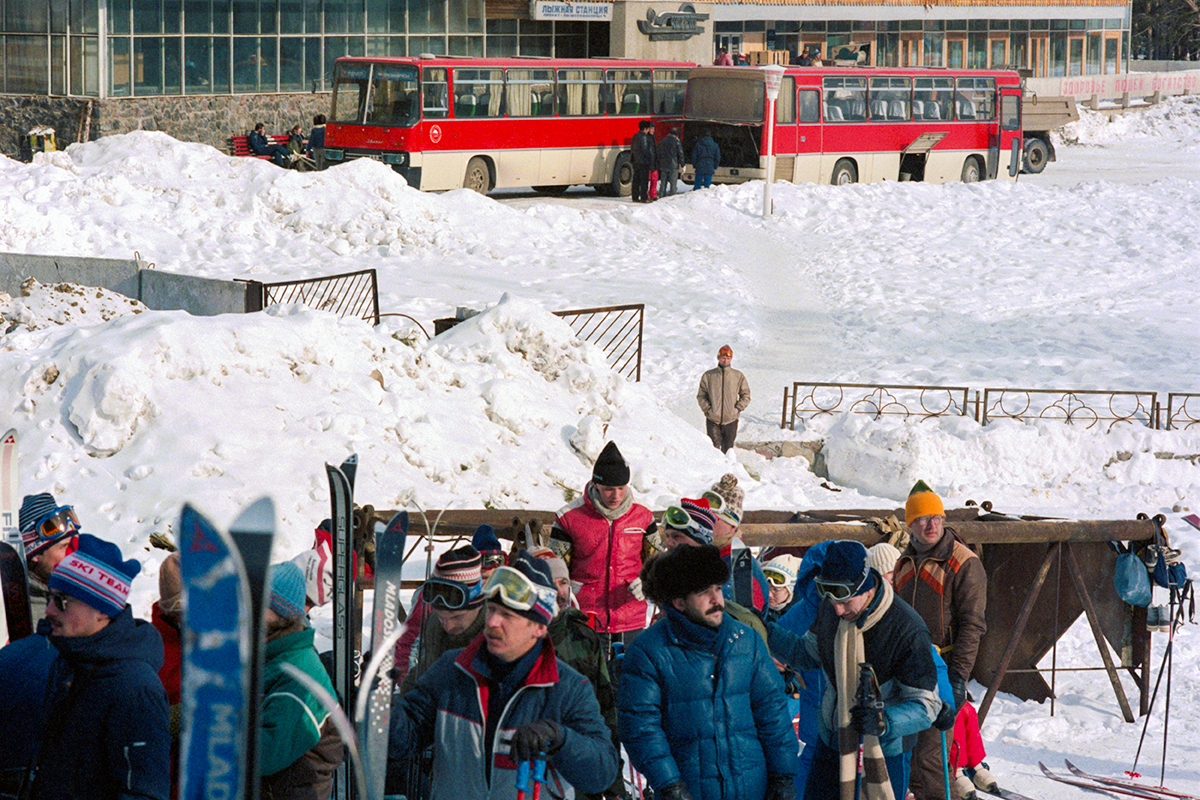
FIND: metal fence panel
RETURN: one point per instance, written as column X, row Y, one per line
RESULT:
column 351, row 294
column 617, row 330
column 808, row 400
column 1086, row 407
column 1179, row 415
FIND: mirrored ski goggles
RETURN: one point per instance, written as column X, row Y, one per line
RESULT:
column 716, row 504
column 493, row 560
column 59, row 523
column 449, row 595
column 837, row 591
column 516, row 591
column 679, row 519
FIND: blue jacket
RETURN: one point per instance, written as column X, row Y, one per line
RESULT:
column 705, row 707
column 798, row 618
column 106, row 734
column 24, row 674
column 447, row 709
column 897, row 647
column 706, row 155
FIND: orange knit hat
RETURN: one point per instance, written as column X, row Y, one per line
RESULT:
column 922, row 502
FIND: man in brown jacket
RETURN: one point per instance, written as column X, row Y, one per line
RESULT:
column 724, row 394
column 944, row 581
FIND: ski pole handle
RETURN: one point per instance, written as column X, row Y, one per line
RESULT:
column 523, row 771
column 539, row 774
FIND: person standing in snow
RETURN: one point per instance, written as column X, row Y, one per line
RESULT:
column 702, row 712
column 725, row 500
column 706, row 157
column 940, row 577
column 604, row 537
column 642, row 151
column 504, row 699
column 299, row 747
column 723, row 395
column 670, row 159
column 106, row 733
column 455, row 593
column 166, row 615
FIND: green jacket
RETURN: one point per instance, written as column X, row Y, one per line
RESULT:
column 292, row 717
column 434, row 641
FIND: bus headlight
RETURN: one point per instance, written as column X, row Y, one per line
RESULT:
column 399, row 159
column 334, row 155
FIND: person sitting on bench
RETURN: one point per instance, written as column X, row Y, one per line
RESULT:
column 263, row 146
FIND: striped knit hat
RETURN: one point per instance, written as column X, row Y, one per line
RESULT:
column 96, row 574
column 34, row 509
column 287, row 590
column 463, row 565
column 700, row 513
column 538, row 573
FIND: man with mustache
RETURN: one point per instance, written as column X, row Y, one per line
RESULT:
column 688, row 746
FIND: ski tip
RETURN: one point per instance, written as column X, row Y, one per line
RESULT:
column 259, row 516
column 353, row 459
column 10, row 437
column 399, row 522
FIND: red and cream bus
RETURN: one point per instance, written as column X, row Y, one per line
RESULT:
column 848, row 124
column 449, row 123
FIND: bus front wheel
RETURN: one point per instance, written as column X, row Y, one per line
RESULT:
column 972, row 172
column 844, row 173
column 478, row 177
column 1036, row 156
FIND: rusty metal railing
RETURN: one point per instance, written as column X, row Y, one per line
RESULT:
column 351, row 294
column 809, row 400
column 1086, row 407
column 617, row 330
column 1179, row 415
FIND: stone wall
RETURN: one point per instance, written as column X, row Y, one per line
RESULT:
column 208, row 119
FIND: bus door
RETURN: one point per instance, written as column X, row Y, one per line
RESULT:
column 808, row 136
column 1009, row 134
column 784, row 142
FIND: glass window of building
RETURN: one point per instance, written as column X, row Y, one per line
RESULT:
column 580, row 92
column 1058, row 55
column 1018, row 49
column 890, row 98
column 934, row 48
column 977, row 51
column 887, row 49
column 933, row 98
column 1110, row 56
column 999, row 56
column 530, row 92
column 1094, row 53
column 1075, row 59
column 954, row 54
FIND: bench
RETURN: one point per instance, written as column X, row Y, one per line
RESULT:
column 240, row 145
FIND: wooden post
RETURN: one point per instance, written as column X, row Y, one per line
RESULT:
column 1097, row 633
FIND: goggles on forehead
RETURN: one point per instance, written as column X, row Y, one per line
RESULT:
column 448, row 595
column 515, row 590
column 678, row 518
column 717, row 504
column 60, row 522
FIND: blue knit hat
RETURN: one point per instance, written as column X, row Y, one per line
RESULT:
column 485, row 540
column 35, row 508
column 538, row 573
column 846, row 563
column 96, row 574
column 287, row 590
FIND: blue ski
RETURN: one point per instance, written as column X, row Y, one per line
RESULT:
column 341, row 519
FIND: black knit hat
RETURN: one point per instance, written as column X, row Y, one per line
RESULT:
column 846, row 563
column 610, row 469
column 681, row 571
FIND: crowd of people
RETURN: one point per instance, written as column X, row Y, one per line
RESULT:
column 656, row 164
column 624, row 636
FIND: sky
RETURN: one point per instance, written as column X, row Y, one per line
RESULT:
column 1083, row 277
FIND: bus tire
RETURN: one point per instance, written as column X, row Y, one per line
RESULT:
column 972, row 171
column 1036, row 156
column 551, row 189
column 621, row 183
column 844, row 173
column 478, row 177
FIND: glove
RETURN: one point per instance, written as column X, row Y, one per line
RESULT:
column 544, row 736
column 635, row 588
column 676, row 791
column 945, row 718
column 958, row 686
column 780, row 787
column 868, row 721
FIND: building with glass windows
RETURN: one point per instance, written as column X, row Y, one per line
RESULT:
column 203, row 70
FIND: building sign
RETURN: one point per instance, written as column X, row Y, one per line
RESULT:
column 673, row 25
column 563, row 10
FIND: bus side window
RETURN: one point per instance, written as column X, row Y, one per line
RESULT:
column 810, row 105
column 785, row 107
column 435, row 93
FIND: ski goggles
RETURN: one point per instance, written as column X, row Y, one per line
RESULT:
column 776, row 578
column 839, row 591
column 717, row 505
column 450, row 595
column 516, row 591
column 61, row 522
column 679, row 519
column 491, row 560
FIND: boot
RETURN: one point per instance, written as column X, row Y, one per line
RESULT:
column 982, row 777
column 963, row 788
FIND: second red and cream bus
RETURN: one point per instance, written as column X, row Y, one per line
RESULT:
column 448, row 123
column 845, row 124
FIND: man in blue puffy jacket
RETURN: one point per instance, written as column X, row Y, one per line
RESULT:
column 706, row 157
column 860, row 620
column 702, row 711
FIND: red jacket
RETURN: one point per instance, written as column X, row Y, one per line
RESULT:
column 605, row 558
column 172, row 654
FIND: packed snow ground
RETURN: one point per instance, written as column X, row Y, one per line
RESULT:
column 1082, row 277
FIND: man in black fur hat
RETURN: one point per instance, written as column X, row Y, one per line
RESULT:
column 686, row 744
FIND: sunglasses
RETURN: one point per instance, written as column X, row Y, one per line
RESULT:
column 515, row 590
column 62, row 521
column 835, row 592
column 448, row 595
column 61, row 601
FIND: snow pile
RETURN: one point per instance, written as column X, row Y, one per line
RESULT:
column 1175, row 119
column 62, row 304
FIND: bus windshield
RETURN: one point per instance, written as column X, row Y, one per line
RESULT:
column 376, row 94
column 725, row 99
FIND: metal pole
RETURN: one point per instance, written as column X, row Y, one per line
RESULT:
column 770, row 155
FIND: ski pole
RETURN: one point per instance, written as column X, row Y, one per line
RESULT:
column 945, row 764
column 1162, row 775
column 523, row 770
column 539, row 774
